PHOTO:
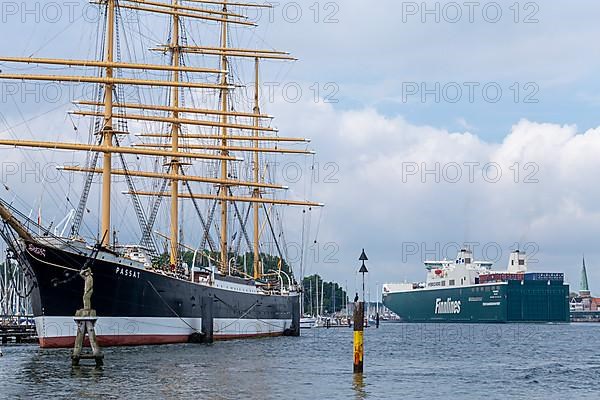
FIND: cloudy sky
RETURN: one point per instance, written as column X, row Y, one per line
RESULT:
column 434, row 126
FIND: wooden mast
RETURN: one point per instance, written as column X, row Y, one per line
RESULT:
column 104, row 64
column 241, row 199
column 175, row 142
column 186, row 14
column 110, row 149
column 185, row 121
column 112, row 81
column 231, row 137
column 229, row 148
column 256, row 191
column 175, row 6
column 188, row 178
column 108, row 126
column 185, row 110
column 224, row 120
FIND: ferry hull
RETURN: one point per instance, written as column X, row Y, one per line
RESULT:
column 513, row 301
column 141, row 307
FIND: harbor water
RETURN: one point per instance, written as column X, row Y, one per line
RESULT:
column 419, row 361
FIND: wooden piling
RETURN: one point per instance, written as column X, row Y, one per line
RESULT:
column 359, row 327
column 86, row 325
column 296, row 315
column 294, row 329
column 208, row 319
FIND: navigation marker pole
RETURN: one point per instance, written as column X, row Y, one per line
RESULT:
column 359, row 321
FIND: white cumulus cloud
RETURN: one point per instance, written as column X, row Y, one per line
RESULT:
column 401, row 183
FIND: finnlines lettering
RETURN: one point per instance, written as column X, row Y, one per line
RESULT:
column 447, row 307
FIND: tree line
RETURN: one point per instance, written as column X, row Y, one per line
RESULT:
column 334, row 296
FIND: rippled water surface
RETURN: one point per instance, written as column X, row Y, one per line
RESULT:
column 402, row 362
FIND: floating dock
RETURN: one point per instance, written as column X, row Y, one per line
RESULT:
column 13, row 333
column 585, row 316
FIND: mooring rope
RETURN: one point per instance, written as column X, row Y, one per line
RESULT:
column 268, row 323
column 170, row 308
column 49, row 263
column 241, row 317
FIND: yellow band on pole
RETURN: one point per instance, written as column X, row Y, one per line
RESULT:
column 358, row 347
column 359, row 344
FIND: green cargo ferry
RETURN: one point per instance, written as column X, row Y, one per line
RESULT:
column 468, row 291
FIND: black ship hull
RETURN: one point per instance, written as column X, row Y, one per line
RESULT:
column 138, row 306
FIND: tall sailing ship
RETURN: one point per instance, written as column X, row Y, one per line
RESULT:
column 144, row 294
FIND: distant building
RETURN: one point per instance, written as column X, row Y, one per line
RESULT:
column 595, row 304
column 584, row 302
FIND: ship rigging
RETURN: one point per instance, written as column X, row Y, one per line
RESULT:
column 178, row 148
column 196, row 139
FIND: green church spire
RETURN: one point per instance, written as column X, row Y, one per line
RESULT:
column 584, row 287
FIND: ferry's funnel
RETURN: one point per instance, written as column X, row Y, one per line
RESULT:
column 517, row 262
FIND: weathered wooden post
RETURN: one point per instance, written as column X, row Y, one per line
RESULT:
column 359, row 322
column 208, row 319
column 86, row 324
column 359, row 327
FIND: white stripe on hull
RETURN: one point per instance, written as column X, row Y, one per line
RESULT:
column 109, row 328
column 119, row 326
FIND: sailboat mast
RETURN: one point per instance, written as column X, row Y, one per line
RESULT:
column 224, row 120
column 317, row 297
column 256, row 171
column 322, row 290
column 311, row 298
column 333, row 297
column 377, row 297
column 108, row 125
column 175, row 52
